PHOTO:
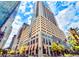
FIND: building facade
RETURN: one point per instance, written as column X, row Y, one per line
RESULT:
column 6, row 9
column 42, row 31
column 6, row 27
column 17, row 40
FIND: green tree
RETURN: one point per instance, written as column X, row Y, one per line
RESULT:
column 76, row 48
column 54, row 46
column 1, row 51
column 61, row 47
column 57, row 48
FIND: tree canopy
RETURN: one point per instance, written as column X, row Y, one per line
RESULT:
column 57, row 47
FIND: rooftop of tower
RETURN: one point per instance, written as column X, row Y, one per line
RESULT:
column 41, row 9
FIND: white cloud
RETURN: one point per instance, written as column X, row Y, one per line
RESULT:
column 64, row 17
column 17, row 25
column 18, row 18
column 51, row 2
column 23, row 2
column 17, row 22
column 29, row 19
column 74, row 25
column 26, row 13
column 31, row 6
column 31, row 11
column 77, row 4
column 22, row 6
column 52, row 6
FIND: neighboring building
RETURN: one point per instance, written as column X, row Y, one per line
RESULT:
column 13, row 40
column 41, row 33
column 1, row 35
column 77, row 29
column 74, row 33
column 17, row 39
column 6, row 9
column 78, row 32
column 11, row 8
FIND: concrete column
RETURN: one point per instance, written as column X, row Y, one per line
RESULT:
column 35, row 48
column 29, row 51
column 34, row 51
column 40, row 49
column 49, row 51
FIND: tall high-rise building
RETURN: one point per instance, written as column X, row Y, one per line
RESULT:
column 11, row 9
column 6, row 9
column 42, row 31
column 44, row 11
column 17, row 39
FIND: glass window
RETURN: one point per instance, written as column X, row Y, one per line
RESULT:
column 37, row 40
column 49, row 42
column 59, row 41
column 43, row 34
column 43, row 40
column 37, row 35
column 6, row 9
column 44, row 50
column 46, row 41
column 33, row 41
column 28, row 43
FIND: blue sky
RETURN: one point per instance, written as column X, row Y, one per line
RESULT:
column 65, row 12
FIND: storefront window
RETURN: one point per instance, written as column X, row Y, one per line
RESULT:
column 28, row 43
column 37, row 50
column 37, row 40
column 49, row 42
column 43, row 40
column 44, row 51
column 33, row 41
column 46, row 41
